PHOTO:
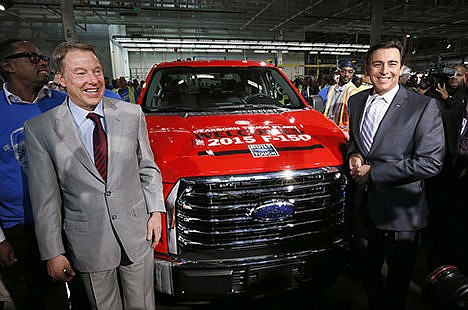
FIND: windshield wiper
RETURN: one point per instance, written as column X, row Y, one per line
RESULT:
column 179, row 109
column 260, row 101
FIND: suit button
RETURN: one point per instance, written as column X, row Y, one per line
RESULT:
column 108, row 193
column 114, row 217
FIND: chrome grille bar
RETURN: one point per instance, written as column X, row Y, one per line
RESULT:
column 216, row 212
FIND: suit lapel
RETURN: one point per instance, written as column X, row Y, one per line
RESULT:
column 398, row 103
column 114, row 134
column 66, row 130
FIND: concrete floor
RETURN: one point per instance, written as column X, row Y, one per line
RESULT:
column 346, row 294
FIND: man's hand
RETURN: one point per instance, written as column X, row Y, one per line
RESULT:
column 7, row 254
column 361, row 174
column 442, row 91
column 154, row 229
column 358, row 170
column 423, row 91
column 59, row 269
column 355, row 161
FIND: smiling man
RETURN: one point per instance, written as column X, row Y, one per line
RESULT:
column 338, row 95
column 22, row 97
column 96, row 192
column 396, row 142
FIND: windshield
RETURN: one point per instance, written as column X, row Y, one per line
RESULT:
column 186, row 89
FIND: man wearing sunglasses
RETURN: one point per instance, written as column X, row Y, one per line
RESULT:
column 338, row 95
column 23, row 96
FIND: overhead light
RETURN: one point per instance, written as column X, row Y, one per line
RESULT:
column 197, row 45
column 5, row 5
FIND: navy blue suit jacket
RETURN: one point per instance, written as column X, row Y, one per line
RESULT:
column 408, row 147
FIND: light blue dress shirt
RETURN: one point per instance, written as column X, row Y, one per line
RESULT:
column 85, row 126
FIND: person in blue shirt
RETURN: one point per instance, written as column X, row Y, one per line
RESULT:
column 110, row 94
column 23, row 96
column 324, row 91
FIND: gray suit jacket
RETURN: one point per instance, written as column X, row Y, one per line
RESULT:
column 408, row 148
column 74, row 210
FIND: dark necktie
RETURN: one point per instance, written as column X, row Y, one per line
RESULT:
column 99, row 145
column 463, row 146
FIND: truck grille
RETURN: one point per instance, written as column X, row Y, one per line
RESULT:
column 223, row 213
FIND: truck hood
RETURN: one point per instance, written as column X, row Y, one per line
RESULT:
column 207, row 145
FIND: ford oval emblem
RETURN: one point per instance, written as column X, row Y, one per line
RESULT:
column 273, row 211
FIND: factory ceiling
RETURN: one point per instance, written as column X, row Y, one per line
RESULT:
column 439, row 27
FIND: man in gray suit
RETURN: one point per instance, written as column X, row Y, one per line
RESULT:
column 396, row 142
column 95, row 189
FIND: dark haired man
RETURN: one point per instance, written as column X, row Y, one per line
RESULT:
column 396, row 142
column 453, row 94
column 23, row 96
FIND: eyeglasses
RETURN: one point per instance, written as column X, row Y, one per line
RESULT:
column 350, row 71
column 33, row 57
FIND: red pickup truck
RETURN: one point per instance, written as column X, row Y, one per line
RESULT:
column 253, row 180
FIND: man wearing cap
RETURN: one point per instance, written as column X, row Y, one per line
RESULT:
column 338, row 96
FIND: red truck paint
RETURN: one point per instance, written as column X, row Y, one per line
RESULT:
column 253, row 190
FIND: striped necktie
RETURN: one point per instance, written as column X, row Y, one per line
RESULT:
column 99, row 145
column 370, row 123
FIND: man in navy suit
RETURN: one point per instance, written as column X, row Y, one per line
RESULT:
column 396, row 142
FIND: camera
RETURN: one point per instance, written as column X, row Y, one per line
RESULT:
column 438, row 74
column 412, row 82
column 446, row 288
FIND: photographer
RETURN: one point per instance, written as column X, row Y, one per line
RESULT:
column 404, row 75
column 453, row 95
column 446, row 237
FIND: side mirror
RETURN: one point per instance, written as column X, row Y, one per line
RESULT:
column 316, row 103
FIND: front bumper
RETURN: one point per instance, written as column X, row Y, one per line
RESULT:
column 207, row 279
